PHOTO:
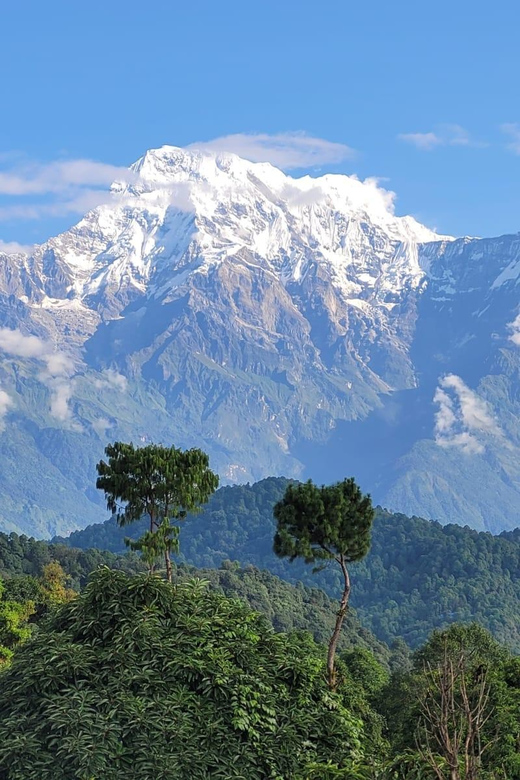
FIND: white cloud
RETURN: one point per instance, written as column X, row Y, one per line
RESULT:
column 66, row 186
column 462, row 416
column 77, row 203
column 101, row 426
column 14, row 342
column 367, row 194
column 56, row 373
column 444, row 135
column 445, row 418
column 61, row 392
column 6, row 402
column 285, row 150
column 476, row 413
column 83, row 200
column 58, row 177
column 13, row 248
column 512, row 129
column 111, row 378
column 514, row 327
column 298, row 197
column 455, row 135
column 424, row 141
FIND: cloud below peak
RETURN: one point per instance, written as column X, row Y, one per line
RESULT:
column 462, row 416
column 6, row 402
column 55, row 374
column 514, row 328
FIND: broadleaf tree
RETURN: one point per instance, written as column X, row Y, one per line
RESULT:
column 161, row 483
column 137, row 680
column 323, row 524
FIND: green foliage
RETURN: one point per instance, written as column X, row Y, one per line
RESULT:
column 160, row 483
column 136, row 678
column 237, row 524
column 286, row 606
column 21, row 588
column 366, row 671
column 162, row 540
column 23, row 556
column 417, row 576
column 289, row 607
column 13, row 624
column 366, row 698
column 472, row 642
column 480, row 654
column 323, row 523
column 23, row 600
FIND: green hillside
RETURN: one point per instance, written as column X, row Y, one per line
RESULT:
column 419, row 575
column 286, row 606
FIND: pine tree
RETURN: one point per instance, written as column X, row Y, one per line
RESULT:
column 322, row 524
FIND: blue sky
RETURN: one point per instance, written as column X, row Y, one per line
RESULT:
column 425, row 93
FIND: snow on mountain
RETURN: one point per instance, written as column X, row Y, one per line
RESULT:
column 265, row 318
column 210, row 206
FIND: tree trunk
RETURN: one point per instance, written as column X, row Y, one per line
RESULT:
column 168, row 563
column 340, row 617
column 151, row 564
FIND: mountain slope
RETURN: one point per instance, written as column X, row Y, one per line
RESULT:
column 285, row 325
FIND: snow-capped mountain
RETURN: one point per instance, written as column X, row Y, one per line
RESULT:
column 285, row 325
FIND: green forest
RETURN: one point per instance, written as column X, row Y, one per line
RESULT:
column 286, row 631
column 417, row 576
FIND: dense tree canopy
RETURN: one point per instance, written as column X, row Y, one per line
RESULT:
column 286, row 606
column 135, row 678
column 418, row 574
column 464, row 662
column 24, row 599
column 87, row 693
column 14, row 629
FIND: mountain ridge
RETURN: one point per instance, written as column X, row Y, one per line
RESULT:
column 219, row 303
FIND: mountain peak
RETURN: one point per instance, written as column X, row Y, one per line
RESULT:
column 219, row 301
column 186, row 209
column 230, row 176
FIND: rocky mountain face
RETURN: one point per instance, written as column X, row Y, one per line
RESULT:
column 287, row 326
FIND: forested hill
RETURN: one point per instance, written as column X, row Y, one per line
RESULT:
column 418, row 575
column 287, row 607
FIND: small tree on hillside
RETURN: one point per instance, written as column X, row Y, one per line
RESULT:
column 455, row 709
column 161, row 483
column 322, row 524
column 459, row 696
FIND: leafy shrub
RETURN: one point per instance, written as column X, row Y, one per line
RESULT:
column 139, row 679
